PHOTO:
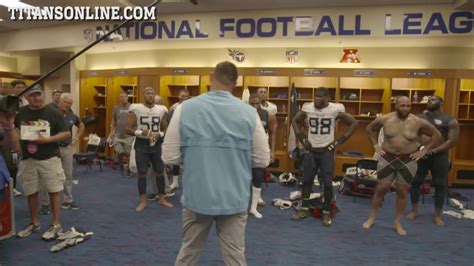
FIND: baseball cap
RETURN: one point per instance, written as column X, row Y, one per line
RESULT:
column 56, row 90
column 36, row 88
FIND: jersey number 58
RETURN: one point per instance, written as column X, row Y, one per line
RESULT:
column 151, row 122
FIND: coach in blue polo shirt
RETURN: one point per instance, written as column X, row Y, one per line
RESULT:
column 218, row 138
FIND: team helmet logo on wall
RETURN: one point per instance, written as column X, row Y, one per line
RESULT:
column 237, row 55
column 291, row 56
column 350, row 56
column 88, row 35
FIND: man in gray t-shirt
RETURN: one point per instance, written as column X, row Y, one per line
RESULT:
column 121, row 141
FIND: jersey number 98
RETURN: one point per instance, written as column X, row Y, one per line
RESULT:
column 321, row 126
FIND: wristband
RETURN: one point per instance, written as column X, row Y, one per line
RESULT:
column 75, row 138
column 376, row 146
column 11, row 127
column 162, row 134
column 341, row 140
column 139, row 133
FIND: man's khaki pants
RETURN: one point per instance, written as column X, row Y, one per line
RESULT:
column 230, row 231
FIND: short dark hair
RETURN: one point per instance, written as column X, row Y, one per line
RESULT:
column 439, row 98
column 16, row 82
column 322, row 91
column 226, row 73
column 255, row 96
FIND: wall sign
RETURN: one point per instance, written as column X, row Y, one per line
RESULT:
column 420, row 73
column 236, row 55
column 266, row 72
column 121, row 72
column 350, row 56
column 364, row 73
column 314, row 72
column 291, row 56
column 179, row 71
column 314, row 23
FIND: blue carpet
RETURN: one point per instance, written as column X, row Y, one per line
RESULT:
column 124, row 237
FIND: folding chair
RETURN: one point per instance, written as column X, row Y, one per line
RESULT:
column 90, row 155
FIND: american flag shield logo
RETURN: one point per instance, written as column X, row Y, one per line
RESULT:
column 291, row 56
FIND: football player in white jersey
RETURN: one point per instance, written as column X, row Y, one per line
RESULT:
column 271, row 108
column 147, row 121
column 320, row 143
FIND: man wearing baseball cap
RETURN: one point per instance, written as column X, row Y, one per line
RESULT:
column 41, row 128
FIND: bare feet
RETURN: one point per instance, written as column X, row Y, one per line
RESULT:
column 438, row 220
column 141, row 206
column 399, row 229
column 164, row 202
column 368, row 224
column 412, row 215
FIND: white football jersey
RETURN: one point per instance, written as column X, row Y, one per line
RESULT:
column 322, row 123
column 271, row 108
column 148, row 117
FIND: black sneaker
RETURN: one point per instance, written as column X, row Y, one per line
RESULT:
column 152, row 197
column 44, row 210
column 74, row 206
column 327, row 221
column 300, row 215
column 28, row 230
column 66, row 205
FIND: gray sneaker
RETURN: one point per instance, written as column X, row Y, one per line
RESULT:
column 74, row 206
column 169, row 194
column 52, row 232
column 327, row 221
column 27, row 230
column 44, row 210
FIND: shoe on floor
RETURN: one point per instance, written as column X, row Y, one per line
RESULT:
column 52, row 232
column 170, row 194
column 44, row 210
column 327, row 221
column 28, row 230
column 152, row 197
column 74, row 206
column 300, row 215
column 16, row 193
column 70, row 205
